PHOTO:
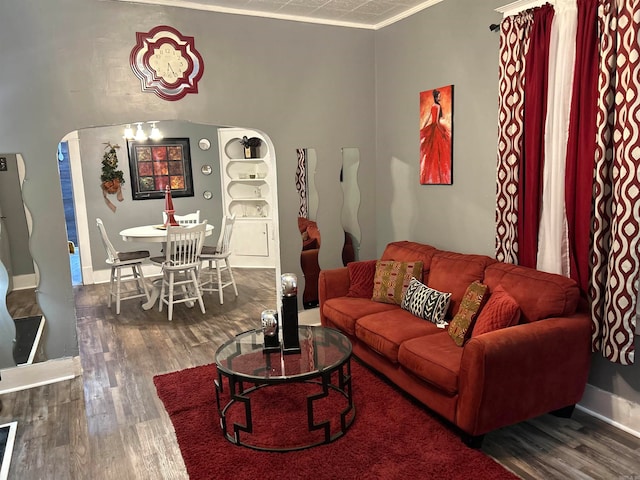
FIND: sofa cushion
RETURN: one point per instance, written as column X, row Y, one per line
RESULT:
column 384, row 332
column 406, row 251
column 454, row 272
column 462, row 323
column 555, row 295
column 361, row 275
column 425, row 302
column 344, row 311
column 501, row 311
column 392, row 279
column 433, row 358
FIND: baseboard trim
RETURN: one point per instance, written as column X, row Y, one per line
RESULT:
column 23, row 282
column 612, row 409
column 39, row 374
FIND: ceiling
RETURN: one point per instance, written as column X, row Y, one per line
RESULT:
column 370, row 14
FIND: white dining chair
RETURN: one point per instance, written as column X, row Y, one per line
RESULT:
column 217, row 262
column 180, row 266
column 187, row 219
column 118, row 261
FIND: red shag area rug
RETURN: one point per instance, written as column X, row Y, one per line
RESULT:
column 391, row 437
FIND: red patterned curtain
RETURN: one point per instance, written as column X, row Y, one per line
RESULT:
column 616, row 229
column 602, row 182
column 514, row 45
column 301, row 183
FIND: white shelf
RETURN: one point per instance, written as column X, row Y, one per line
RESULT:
column 250, row 199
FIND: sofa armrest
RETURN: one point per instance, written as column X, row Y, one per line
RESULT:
column 521, row 372
column 331, row 284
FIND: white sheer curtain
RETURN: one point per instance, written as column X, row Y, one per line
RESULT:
column 553, row 248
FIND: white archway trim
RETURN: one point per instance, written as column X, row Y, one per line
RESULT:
column 80, row 207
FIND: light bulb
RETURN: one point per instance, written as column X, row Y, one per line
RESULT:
column 155, row 132
column 140, row 135
column 128, row 132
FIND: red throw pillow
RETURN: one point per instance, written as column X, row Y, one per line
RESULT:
column 361, row 276
column 500, row 311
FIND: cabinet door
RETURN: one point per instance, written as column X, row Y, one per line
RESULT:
column 250, row 239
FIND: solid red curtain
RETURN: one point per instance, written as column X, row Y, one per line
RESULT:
column 535, row 111
column 581, row 145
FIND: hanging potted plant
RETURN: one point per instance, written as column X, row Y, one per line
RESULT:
column 112, row 179
column 250, row 146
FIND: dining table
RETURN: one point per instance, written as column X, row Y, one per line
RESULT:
column 154, row 234
column 151, row 233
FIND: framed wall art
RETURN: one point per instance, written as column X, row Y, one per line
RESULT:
column 156, row 164
column 436, row 138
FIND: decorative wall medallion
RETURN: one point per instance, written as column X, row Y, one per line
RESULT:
column 204, row 144
column 166, row 62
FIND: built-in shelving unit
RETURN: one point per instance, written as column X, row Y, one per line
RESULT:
column 247, row 187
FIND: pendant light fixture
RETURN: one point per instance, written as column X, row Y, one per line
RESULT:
column 155, row 132
column 140, row 135
column 128, row 132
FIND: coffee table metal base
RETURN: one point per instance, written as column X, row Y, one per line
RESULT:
column 238, row 394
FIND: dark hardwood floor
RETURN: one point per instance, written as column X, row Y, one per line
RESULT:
column 109, row 423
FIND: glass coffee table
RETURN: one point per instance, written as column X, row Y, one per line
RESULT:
column 275, row 401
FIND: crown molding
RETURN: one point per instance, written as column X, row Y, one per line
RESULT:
column 408, row 13
column 517, row 7
column 196, row 5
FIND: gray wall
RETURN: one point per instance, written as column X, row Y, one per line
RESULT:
column 302, row 84
column 449, row 43
column 131, row 213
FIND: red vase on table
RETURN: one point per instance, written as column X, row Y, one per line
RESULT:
column 168, row 208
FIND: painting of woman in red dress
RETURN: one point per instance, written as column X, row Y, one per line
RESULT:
column 435, row 136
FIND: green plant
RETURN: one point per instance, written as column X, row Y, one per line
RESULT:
column 111, row 177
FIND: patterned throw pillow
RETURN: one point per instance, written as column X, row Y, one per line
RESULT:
column 392, row 279
column 425, row 302
column 361, row 276
column 460, row 327
column 501, row 311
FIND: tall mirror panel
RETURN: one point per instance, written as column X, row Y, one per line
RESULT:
column 307, row 215
column 351, row 204
column 21, row 321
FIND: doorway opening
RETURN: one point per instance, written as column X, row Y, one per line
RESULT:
column 64, row 167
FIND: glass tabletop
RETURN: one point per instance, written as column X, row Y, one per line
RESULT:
column 321, row 349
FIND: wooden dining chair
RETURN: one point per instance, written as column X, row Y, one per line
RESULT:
column 217, row 260
column 119, row 261
column 187, row 219
column 180, row 266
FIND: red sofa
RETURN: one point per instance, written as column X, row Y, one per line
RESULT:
column 495, row 379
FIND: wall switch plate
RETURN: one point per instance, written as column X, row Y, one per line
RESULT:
column 3, row 164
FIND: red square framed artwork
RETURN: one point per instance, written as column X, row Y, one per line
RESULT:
column 436, row 136
column 156, row 164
